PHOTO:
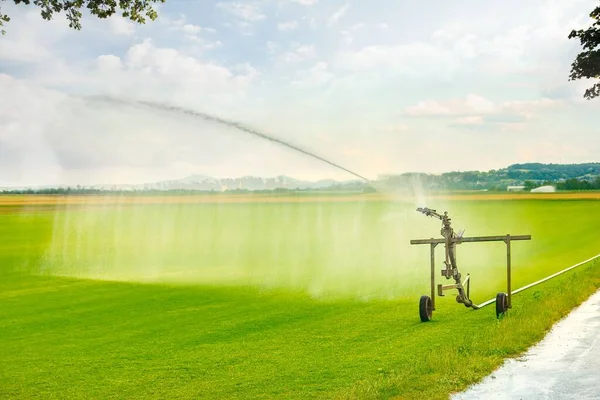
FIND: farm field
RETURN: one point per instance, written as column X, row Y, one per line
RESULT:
column 242, row 297
column 62, row 200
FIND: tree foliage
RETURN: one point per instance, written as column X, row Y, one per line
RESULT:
column 579, row 184
column 584, row 176
column 137, row 11
column 587, row 63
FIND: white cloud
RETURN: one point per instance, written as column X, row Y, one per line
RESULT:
column 191, row 28
column 25, row 41
column 109, row 62
column 432, row 107
column 246, row 70
column 300, row 53
column 173, row 67
column 121, row 26
column 336, row 16
column 181, row 24
column 527, row 105
column 246, row 15
column 287, row 26
column 306, row 50
column 305, row 2
column 479, row 113
column 200, row 38
column 411, row 59
column 473, row 104
column 318, row 75
column 246, row 11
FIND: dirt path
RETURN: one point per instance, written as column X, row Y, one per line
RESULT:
column 564, row 365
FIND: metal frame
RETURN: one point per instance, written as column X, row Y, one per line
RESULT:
column 450, row 240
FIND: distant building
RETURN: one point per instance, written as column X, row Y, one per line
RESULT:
column 544, row 189
column 515, row 188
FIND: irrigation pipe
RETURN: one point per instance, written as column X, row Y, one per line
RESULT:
column 490, row 301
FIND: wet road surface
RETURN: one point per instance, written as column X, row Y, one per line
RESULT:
column 564, row 365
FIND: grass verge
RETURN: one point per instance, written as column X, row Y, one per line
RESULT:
column 469, row 350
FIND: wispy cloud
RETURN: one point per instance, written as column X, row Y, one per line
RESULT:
column 336, row 16
column 246, row 15
column 300, row 53
column 247, row 11
column 305, row 2
column 474, row 104
column 287, row 26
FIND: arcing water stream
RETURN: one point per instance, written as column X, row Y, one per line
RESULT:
column 232, row 124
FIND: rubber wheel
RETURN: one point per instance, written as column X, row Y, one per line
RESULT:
column 501, row 304
column 425, row 308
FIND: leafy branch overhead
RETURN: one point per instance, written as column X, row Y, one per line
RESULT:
column 137, row 11
column 587, row 63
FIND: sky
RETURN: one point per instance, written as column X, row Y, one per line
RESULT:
column 378, row 87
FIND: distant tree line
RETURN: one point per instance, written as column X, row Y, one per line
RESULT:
column 87, row 191
column 174, row 192
column 530, row 175
column 576, row 184
column 550, row 172
column 562, row 176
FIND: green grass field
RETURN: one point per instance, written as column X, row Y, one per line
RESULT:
column 272, row 300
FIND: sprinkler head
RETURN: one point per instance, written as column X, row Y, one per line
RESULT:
column 425, row 210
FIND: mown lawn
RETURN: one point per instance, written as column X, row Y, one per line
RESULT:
column 263, row 306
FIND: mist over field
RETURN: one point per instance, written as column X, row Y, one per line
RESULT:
column 354, row 248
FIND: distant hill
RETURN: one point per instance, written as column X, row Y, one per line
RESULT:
column 202, row 183
column 531, row 175
column 552, row 172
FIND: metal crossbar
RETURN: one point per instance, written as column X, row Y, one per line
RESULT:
column 474, row 239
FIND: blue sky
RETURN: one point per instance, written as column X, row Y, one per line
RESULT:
column 379, row 87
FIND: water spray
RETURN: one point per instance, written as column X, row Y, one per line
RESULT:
column 230, row 123
column 450, row 239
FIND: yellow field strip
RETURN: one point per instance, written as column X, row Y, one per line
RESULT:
column 49, row 200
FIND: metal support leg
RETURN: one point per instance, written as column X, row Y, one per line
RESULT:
column 468, row 281
column 433, row 274
column 508, row 272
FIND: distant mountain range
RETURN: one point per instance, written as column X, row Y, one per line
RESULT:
column 531, row 175
column 207, row 184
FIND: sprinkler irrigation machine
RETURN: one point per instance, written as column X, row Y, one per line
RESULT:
column 450, row 239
